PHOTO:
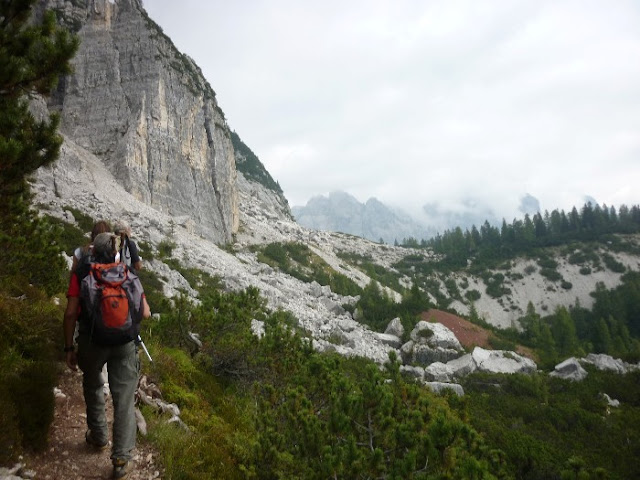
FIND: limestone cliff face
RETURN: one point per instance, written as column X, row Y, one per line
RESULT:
column 147, row 112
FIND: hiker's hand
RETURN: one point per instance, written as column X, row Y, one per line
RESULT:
column 72, row 361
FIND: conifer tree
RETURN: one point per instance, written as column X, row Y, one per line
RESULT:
column 33, row 53
column 32, row 56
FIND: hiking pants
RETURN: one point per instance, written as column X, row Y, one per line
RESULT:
column 123, row 366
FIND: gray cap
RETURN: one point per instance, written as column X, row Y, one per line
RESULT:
column 120, row 227
column 104, row 245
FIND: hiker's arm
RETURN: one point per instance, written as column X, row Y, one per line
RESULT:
column 74, row 264
column 69, row 327
column 136, row 261
column 146, row 311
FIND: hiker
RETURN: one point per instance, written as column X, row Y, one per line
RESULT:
column 98, row 344
column 99, row 227
column 128, row 248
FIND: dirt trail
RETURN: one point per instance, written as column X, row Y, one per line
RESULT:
column 68, row 456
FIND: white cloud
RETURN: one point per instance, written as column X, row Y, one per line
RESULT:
column 417, row 102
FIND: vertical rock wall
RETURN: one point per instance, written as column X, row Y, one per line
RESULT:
column 148, row 113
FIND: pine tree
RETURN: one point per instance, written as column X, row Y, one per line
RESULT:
column 564, row 331
column 602, row 341
column 32, row 56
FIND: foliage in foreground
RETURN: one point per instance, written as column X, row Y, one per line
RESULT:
column 555, row 429
column 296, row 413
column 31, row 270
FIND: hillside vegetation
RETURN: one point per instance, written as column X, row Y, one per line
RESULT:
column 272, row 407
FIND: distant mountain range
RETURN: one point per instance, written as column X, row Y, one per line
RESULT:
column 341, row 212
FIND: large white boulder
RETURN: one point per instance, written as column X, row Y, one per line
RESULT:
column 606, row 362
column 435, row 335
column 395, row 327
column 390, row 340
column 426, row 354
column 500, row 361
column 463, row 365
column 570, row 369
column 438, row 372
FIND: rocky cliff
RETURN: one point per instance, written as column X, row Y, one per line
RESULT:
column 145, row 110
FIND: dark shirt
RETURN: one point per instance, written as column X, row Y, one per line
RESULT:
column 129, row 252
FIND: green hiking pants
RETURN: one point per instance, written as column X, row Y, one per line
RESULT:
column 123, row 367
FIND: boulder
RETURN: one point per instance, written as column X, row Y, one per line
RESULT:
column 606, row 362
column 338, row 337
column 438, row 372
column 435, row 335
column 439, row 387
column 332, row 306
column 395, row 327
column 426, row 355
column 406, row 351
column 390, row 340
column 347, row 324
column 500, row 361
column 570, row 369
column 315, row 290
column 462, row 366
column 257, row 328
column 610, row 401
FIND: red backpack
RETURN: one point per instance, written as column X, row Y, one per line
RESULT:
column 112, row 302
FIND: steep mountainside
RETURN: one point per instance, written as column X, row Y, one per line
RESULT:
column 341, row 212
column 147, row 113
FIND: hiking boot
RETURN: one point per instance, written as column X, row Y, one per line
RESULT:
column 122, row 468
column 91, row 442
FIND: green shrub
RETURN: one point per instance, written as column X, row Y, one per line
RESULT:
column 577, row 258
column 30, row 250
column 154, row 291
column 85, row 222
column 165, row 249
column 472, row 295
column 612, row 264
column 145, row 250
column 277, row 253
column 70, row 237
column 495, row 289
column 30, row 337
column 452, row 288
column 550, row 274
column 585, row 270
column 500, row 343
column 547, row 262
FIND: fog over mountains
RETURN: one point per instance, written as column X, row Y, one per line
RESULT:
column 341, row 212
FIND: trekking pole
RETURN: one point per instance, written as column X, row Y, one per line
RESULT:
column 144, row 348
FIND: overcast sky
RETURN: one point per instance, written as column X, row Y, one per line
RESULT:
column 415, row 101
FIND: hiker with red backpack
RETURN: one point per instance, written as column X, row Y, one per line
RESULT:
column 108, row 301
